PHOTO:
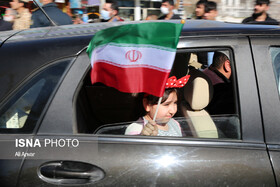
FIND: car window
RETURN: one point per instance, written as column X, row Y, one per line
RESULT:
column 22, row 110
column 105, row 110
column 275, row 56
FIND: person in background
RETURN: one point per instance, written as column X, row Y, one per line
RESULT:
column 167, row 7
column 176, row 6
column 220, row 69
column 68, row 10
column 23, row 18
column 211, row 11
column 110, row 12
column 40, row 20
column 5, row 25
column 260, row 15
column 78, row 20
column 200, row 9
column 152, row 17
column 78, row 17
column 220, row 73
column 10, row 15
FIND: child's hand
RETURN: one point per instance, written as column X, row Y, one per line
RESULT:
column 150, row 129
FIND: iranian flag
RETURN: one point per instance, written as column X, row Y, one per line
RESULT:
column 135, row 57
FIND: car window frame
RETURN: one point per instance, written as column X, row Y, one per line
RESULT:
column 17, row 93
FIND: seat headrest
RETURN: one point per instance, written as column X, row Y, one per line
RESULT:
column 198, row 92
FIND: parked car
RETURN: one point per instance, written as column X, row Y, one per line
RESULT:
column 56, row 128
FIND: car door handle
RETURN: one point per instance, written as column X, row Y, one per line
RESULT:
column 70, row 172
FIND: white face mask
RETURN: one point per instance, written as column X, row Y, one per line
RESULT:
column 105, row 14
column 164, row 10
column 8, row 18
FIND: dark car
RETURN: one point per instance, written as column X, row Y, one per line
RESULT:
column 59, row 129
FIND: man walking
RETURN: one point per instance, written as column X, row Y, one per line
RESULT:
column 200, row 9
column 211, row 11
column 110, row 12
column 260, row 15
column 40, row 20
column 167, row 7
column 23, row 18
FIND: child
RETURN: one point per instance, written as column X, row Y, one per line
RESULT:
column 164, row 125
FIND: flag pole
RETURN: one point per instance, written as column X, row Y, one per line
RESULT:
column 159, row 101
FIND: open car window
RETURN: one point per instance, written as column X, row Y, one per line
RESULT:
column 105, row 110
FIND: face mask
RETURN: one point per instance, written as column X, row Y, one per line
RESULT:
column 105, row 14
column 8, row 18
column 164, row 10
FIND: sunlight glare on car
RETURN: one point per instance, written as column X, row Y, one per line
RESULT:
column 166, row 160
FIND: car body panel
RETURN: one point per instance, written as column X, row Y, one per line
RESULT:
column 267, row 86
column 5, row 35
column 11, row 165
column 274, row 153
column 269, row 95
column 174, row 162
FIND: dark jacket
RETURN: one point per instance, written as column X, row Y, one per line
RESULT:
column 222, row 101
column 59, row 17
column 5, row 25
column 268, row 21
column 223, row 98
column 173, row 17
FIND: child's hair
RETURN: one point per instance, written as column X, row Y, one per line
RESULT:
column 153, row 100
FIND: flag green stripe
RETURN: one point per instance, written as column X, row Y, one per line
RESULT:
column 163, row 34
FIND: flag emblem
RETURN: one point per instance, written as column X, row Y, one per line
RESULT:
column 133, row 55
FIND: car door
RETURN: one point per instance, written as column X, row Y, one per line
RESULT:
column 266, row 51
column 67, row 156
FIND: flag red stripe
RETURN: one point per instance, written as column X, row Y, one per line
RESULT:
column 131, row 80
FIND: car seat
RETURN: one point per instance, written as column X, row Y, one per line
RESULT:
column 198, row 93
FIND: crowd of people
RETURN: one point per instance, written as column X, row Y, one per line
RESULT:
column 208, row 10
column 18, row 16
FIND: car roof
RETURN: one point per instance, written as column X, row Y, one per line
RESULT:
column 207, row 27
column 191, row 28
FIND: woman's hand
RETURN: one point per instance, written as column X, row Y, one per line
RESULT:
column 150, row 129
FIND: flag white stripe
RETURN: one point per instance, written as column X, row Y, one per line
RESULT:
column 132, row 56
column 134, row 66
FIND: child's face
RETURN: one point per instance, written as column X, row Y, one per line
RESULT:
column 166, row 109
